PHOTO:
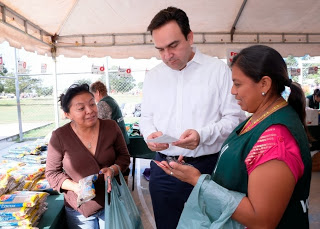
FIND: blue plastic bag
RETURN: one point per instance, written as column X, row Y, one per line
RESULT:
column 210, row 206
column 120, row 210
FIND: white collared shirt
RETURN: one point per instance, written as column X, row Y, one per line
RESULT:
column 197, row 97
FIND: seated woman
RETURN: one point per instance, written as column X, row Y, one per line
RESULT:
column 312, row 101
column 108, row 108
column 82, row 147
column 266, row 157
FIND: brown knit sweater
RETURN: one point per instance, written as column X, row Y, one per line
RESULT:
column 68, row 158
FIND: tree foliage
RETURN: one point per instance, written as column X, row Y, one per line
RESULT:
column 83, row 81
column 45, row 91
column 140, row 85
column 1, row 87
column 27, row 84
column 292, row 62
column 120, row 83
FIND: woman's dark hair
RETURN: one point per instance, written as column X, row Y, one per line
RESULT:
column 260, row 60
column 171, row 14
column 98, row 86
column 73, row 90
column 316, row 92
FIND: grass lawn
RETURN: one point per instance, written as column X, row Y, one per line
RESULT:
column 32, row 110
column 35, row 110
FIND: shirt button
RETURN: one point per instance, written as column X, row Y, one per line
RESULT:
column 280, row 139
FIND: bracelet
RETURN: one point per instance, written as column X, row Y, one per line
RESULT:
column 112, row 171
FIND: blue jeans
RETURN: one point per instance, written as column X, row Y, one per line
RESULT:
column 76, row 220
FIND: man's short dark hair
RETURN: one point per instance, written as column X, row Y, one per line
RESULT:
column 171, row 14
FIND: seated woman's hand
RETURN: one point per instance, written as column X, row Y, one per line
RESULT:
column 76, row 188
column 108, row 175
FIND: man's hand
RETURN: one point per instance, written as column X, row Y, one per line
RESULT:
column 189, row 140
column 156, row 146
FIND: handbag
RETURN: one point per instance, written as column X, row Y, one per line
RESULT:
column 120, row 210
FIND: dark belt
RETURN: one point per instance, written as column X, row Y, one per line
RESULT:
column 187, row 159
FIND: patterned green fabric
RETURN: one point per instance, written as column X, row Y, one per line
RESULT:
column 117, row 115
column 231, row 171
column 312, row 103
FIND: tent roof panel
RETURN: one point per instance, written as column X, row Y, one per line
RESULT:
column 124, row 23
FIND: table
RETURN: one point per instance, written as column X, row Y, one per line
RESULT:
column 53, row 217
column 138, row 149
column 315, row 133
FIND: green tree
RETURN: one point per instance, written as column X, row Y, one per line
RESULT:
column 45, row 91
column 83, row 81
column 292, row 62
column 120, row 83
column 103, row 78
column 26, row 84
column 1, row 87
column 2, row 73
column 315, row 77
column 140, row 85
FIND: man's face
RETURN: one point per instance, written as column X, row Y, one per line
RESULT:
column 174, row 49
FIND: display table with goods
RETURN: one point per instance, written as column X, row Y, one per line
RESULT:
column 313, row 121
column 25, row 196
column 22, row 174
column 53, row 217
column 314, row 131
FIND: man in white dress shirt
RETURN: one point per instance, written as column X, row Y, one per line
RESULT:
column 188, row 97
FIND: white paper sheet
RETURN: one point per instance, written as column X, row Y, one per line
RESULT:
column 163, row 139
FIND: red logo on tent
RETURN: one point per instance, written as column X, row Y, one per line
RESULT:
column 128, row 70
column 102, row 69
column 24, row 64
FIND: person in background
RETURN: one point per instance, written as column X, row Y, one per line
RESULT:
column 187, row 97
column 267, row 156
column 108, row 108
column 312, row 101
column 85, row 146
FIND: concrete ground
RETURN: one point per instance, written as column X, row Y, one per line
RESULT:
column 142, row 198
column 11, row 130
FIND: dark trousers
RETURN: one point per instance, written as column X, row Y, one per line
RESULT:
column 168, row 194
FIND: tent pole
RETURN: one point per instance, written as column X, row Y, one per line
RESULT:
column 55, row 91
column 301, row 71
column 18, row 95
column 107, row 74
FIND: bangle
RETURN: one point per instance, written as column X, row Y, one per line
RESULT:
column 112, row 171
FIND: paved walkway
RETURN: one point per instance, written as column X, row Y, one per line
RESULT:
column 8, row 131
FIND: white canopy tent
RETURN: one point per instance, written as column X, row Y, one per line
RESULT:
column 117, row 28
